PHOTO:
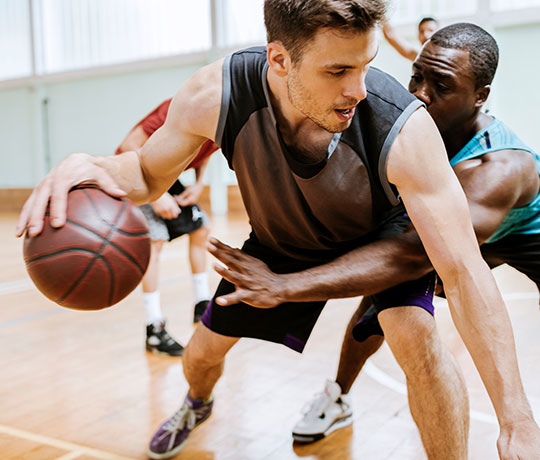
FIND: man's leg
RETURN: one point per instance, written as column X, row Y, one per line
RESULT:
column 197, row 260
column 150, row 280
column 355, row 354
column 437, row 393
column 158, row 339
column 331, row 409
column 204, row 358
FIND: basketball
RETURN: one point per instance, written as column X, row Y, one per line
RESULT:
column 97, row 258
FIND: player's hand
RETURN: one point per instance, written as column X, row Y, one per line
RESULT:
column 519, row 441
column 76, row 169
column 190, row 195
column 166, row 207
column 255, row 283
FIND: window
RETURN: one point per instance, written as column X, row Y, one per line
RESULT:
column 85, row 33
column 15, row 45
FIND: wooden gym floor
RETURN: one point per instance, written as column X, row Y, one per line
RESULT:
column 80, row 385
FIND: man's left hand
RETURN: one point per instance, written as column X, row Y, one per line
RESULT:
column 255, row 283
column 190, row 195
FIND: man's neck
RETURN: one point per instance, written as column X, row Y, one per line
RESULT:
column 457, row 137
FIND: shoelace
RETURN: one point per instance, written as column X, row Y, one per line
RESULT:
column 184, row 417
column 317, row 406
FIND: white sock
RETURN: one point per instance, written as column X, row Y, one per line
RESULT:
column 152, row 307
column 200, row 286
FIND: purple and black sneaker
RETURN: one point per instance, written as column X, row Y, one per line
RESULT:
column 171, row 437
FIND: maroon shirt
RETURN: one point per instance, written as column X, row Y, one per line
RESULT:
column 155, row 119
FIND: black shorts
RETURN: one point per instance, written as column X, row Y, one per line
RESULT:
column 289, row 323
column 520, row 251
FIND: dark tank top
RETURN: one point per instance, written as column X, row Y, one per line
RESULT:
column 310, row 212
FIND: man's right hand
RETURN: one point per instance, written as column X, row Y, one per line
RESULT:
column 519, row 441
column 166, row 207
column 76, row 169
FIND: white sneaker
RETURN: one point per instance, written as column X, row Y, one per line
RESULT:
column 325, row 413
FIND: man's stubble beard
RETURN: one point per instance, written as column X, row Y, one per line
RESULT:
column 298, row 96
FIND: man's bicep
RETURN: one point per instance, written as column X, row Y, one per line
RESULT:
column 492, row 190
column 434, row 199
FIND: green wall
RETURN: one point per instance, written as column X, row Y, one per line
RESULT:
column 83, row 115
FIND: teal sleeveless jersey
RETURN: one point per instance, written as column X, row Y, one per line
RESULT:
column 497, row 136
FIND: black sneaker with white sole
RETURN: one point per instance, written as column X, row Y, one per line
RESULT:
column 159, row 341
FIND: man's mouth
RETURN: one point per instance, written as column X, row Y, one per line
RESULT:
column 345, row 114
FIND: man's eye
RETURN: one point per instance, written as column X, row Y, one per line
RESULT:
column 337, row 74
column 442, row 88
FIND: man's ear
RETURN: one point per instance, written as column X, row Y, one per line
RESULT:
column 278, row 58
column 482, row 95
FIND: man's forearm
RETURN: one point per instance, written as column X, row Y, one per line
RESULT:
column 481, row 318
column 363, row 271
column 125, row 170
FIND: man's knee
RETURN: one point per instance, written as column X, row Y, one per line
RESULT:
column 412, row 335
column 200, row 236
column 207, row 349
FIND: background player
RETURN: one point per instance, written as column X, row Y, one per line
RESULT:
column 426, row 28
column 173, row 214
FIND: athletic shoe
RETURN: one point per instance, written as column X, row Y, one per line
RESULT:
column 327, row 412
column 171, row 437
column 199, row 309
column 159, row 341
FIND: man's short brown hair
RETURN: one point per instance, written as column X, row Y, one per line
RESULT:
column 295, row 22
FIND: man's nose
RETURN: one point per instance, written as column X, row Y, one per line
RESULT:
column 356, row 88
column 421, row 92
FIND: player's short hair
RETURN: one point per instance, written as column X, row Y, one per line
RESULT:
column 481, row 46
column 427, row 19
column 295, row 22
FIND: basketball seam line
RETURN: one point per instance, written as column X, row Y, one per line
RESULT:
column 83, row 274
column 107, row 241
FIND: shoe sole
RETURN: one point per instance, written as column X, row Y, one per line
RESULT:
column 155, row 351
column 171, row 454
column 309, row 438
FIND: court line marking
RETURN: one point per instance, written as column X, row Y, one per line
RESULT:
column 56, row 311
column 13, row 287
column 59, row 444
column 389, row 382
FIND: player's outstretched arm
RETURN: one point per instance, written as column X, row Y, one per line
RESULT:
column 403, row 47
column 142, row 176
column 418, row 166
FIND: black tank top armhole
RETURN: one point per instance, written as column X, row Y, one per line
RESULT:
column 389, row 189
column 225, row 99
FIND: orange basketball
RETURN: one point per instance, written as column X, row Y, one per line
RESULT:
column 97, row 258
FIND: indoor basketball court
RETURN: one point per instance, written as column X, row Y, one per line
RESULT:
column 83, row 385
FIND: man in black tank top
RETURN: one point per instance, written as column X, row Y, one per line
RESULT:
column 341, row 143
